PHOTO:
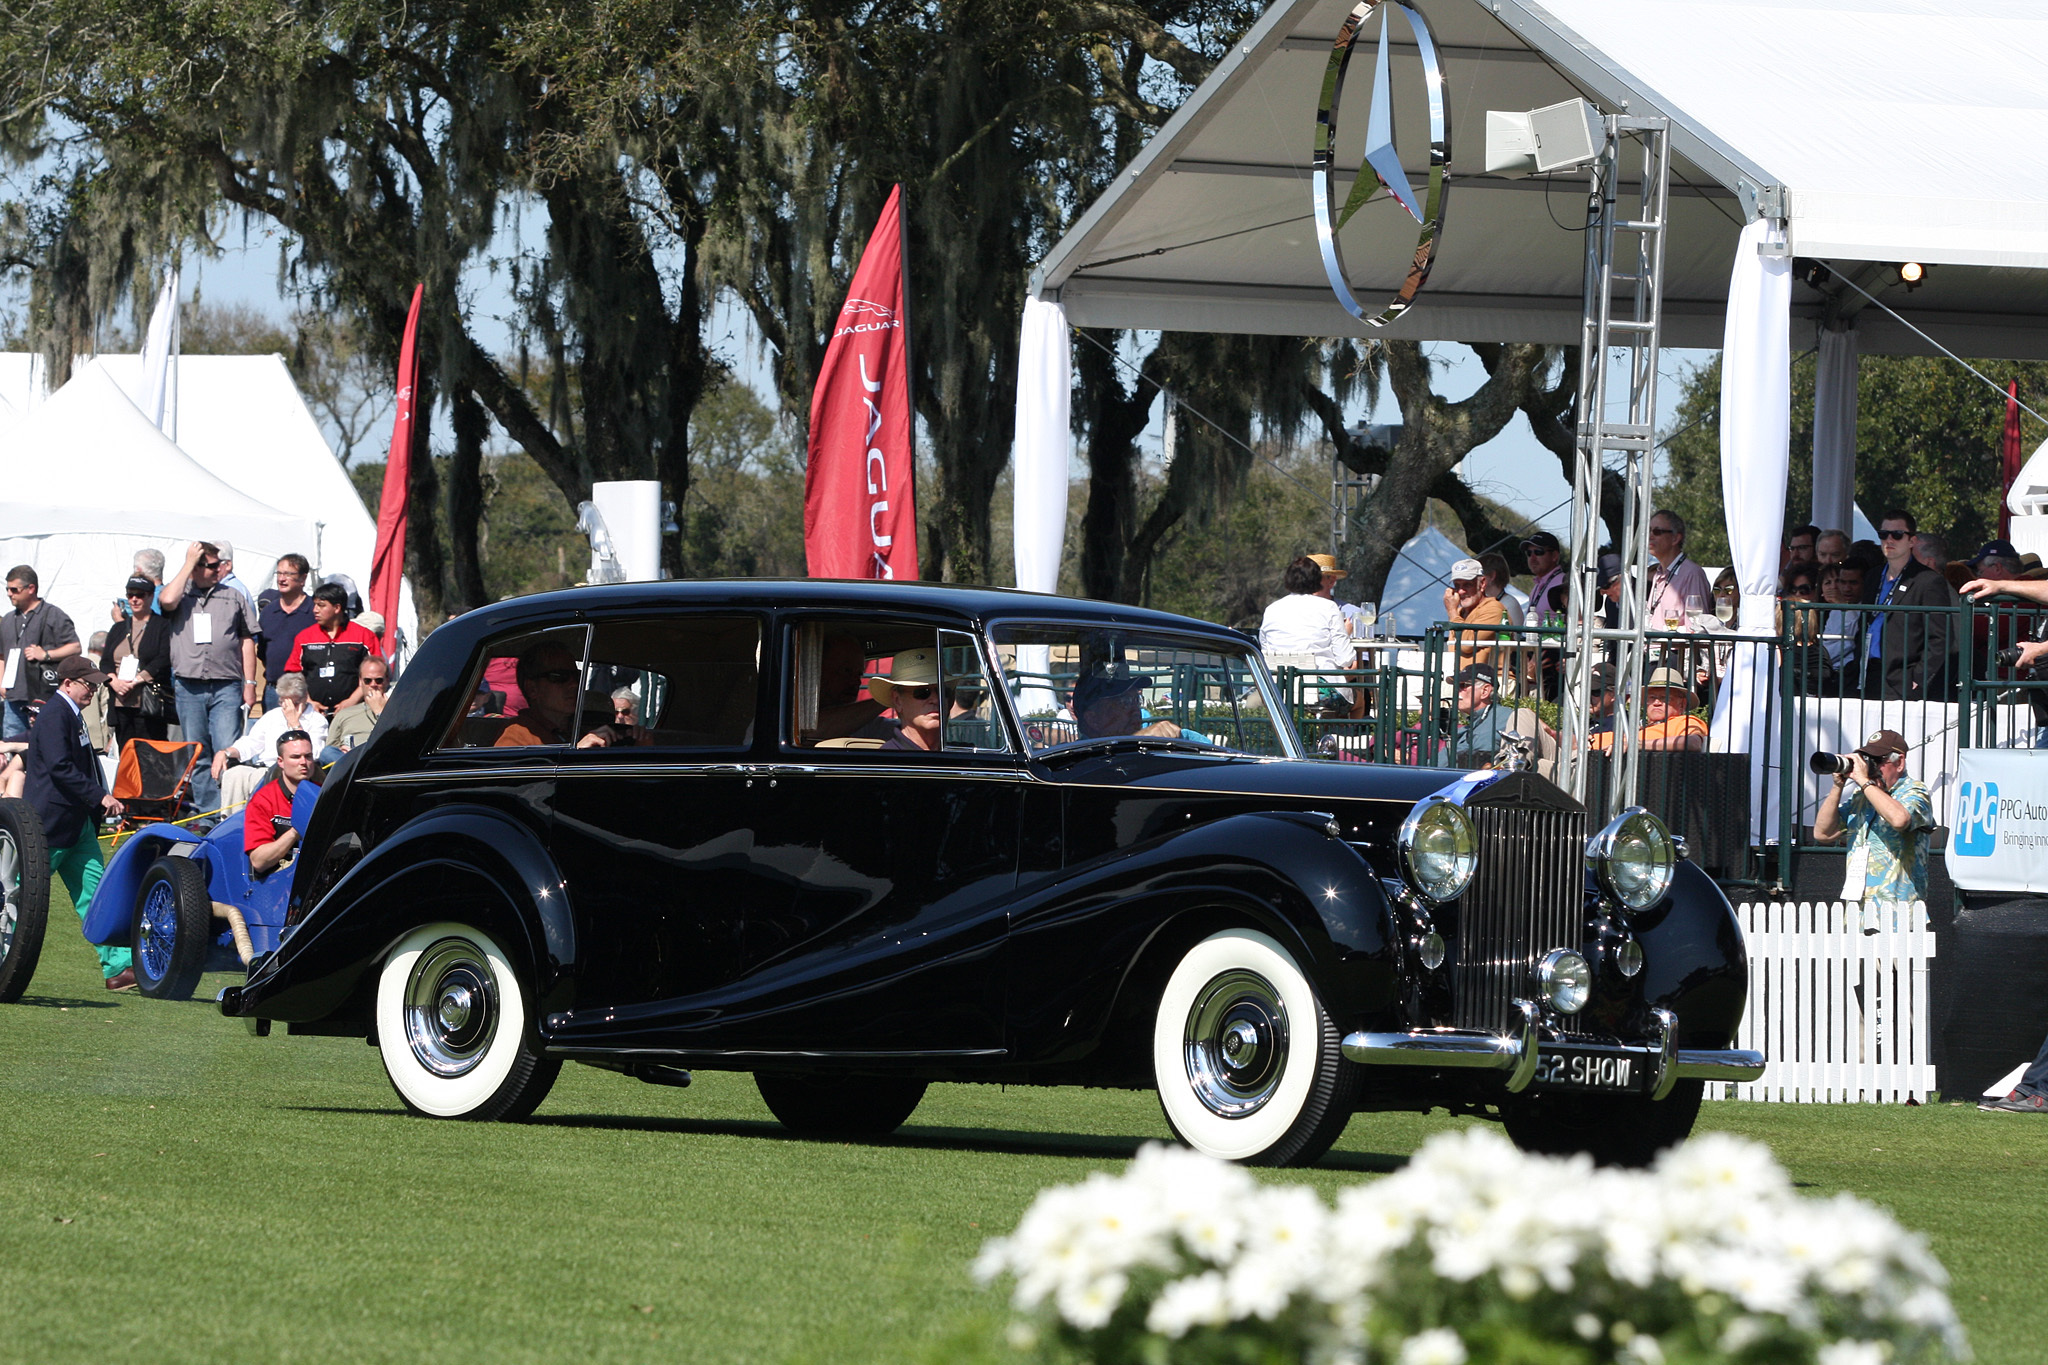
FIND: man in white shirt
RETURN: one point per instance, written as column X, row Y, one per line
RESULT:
column 240, row 767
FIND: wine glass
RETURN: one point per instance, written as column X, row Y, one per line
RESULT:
column 1368, row 617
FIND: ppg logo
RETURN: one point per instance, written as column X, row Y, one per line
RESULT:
column 1977, row 819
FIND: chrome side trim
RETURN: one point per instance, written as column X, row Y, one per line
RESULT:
column 1666, row 1039
column 439, row 776
column 1718, row 1064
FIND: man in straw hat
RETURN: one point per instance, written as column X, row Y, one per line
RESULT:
column 1328, row 591
column 911, row 689
column 1668, row 722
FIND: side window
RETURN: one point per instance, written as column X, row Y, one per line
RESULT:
column 970, row 715
column 524, row 692
column 679, row 682
column 897, row 686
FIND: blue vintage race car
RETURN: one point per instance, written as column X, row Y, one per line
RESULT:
column 159, row 893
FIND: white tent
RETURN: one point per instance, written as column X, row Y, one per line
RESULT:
column 241, row 417
column 1878, row 130
column 86, row 480
column 1414, row 592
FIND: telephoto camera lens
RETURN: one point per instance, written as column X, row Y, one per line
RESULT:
column 1831, row 765
column 2009, row 656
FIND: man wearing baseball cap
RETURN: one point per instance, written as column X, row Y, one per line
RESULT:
column 68, row 793
column 1546, row 561
column 1886, row 820
column 1466, row 603
column 1480, row 720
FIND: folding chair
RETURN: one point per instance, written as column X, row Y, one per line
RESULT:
column 153, row 779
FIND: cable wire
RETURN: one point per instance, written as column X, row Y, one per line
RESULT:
column 1993, row 384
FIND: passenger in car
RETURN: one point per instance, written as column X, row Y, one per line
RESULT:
column 549, row 679
column 1106, row 704
column 911, row 688
column 842, row 712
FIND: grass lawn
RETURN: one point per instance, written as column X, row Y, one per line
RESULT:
column 176, row 1190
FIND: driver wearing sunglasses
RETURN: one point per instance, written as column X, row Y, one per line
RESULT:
column 911, row 689
column 549, row 678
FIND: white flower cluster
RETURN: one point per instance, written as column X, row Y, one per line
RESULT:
column 1200, row 1244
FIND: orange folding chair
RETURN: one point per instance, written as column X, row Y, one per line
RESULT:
column 153, row 778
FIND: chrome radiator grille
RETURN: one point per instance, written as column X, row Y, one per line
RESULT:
column 1527, row 897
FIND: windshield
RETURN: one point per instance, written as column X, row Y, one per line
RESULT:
column 1080, row 685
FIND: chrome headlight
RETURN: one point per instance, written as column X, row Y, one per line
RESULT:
column 1634, row 858
column 1564, row 980
column 1439, row 850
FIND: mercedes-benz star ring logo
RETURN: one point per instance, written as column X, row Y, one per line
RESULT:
column 1381, row 157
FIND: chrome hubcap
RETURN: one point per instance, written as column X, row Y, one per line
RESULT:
column 451, row 1007
column 1235, row 1043
column 10, row 892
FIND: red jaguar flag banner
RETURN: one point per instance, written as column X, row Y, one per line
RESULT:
column 387, row 561
column 860, row 505
column 2013, row 457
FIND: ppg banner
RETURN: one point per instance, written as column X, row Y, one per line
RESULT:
column 1998, row 829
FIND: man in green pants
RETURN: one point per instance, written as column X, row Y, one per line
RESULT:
column 67, row 790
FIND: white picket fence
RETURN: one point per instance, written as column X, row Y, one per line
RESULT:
column 1841, row 1015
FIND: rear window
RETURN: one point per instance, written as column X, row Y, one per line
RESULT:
column 662, row 683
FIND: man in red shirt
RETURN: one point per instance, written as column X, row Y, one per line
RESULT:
column 271, row 846
column 331, row 626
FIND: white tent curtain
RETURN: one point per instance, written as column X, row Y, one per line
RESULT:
column 1038, row 464
column 1834, row 432
column 1043, row 436
column 159, row 399
column 1756, row 429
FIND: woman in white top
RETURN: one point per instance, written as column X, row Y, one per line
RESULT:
column 1301, row 623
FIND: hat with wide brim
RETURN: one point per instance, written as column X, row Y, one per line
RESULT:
column 911, row 668
column 1666, row 678
column 1328, row 564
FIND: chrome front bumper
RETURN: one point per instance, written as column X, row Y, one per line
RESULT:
column 1517, row 1052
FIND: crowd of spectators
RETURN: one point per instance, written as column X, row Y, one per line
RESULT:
column 265, row 684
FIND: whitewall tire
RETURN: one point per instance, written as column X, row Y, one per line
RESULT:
column 455, row 1027
column 1246, row 1060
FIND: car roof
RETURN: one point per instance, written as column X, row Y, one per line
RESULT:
column 965, row 601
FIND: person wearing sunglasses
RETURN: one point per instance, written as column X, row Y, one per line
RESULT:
column 353, row 724
column 551, row 682
column 1906, row 653
column 137, row 662
column 911, row 689
column 213, row 659
column 33, row 638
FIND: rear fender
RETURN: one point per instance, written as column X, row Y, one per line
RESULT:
column 111, row 916
column 471, row 864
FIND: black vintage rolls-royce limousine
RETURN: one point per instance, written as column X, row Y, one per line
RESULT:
column 664, row 827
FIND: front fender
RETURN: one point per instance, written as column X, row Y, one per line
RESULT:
column 463, row 862
column 1694, row 960
column 111, row 916
column 1081, row 943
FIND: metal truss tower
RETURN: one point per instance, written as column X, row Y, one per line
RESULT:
column 1616, row 420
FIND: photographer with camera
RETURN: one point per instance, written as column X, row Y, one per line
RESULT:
column 2023, row 657
column 1886, row 819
